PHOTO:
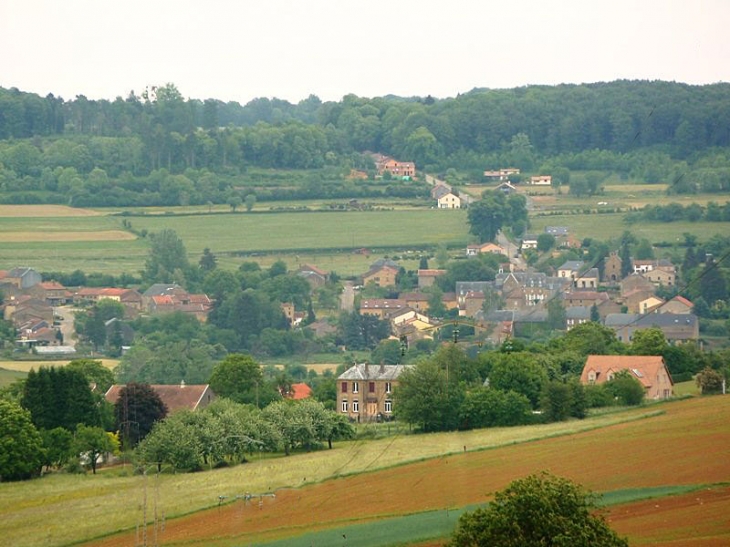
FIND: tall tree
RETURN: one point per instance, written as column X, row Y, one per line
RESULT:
column 237, row 377
column 168, row 259
column 136, row 411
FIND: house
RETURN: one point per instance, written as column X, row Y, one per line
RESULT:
column 415, row 300
column 314, row 276
column 650, row 370
column 449, row 201
column 426, row 278
column 612, row 268
column 382, row 275
column 364, row 392
column 507, row 171
column 587, row 280
column 584, row 298
column 193, row 304
column 570, row 269
column 541, row 180
column 522, row 290
column 659, row 272
column 380, row 307
column 117, row 328
column 298, row 392
column 176, row 397
column 473, row 302
column 131, row 299
column 557, row 231
column 633, row 299
column 22, row 278
column 440, row 190
column 576, row 315
column 635, row 281
column 506, row 188
column 488, row 247
column 321, row 328
column 677, row 305
column 398, row 169
column 650, row 304
column 677, row 328
column 52, row 292
column 463, row 288
column 663, row 277
column 529, row 241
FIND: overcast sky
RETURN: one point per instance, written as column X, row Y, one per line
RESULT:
column 239, row 50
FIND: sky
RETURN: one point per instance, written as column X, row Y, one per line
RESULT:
column 244, row 49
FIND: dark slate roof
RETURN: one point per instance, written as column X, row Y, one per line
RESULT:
column 556, row 230
column 578, row 312
column 160, row 289
column 365, row 371
column 620, row 319
column 463, row 287
column 667, row 320
column 573, row 265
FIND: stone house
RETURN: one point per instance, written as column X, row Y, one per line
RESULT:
column 677, row 305
column 365, row 392
column 380, row 307
column 383, row 275
column 427, row 278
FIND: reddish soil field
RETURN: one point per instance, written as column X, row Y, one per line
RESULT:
column 689, row 445
column 700, row 518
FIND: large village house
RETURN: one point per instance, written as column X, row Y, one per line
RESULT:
column 650, row 370
column 364, row 392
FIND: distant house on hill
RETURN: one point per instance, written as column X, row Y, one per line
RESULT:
column 22, row 278
column 650, row 370
column 449, row 201
column 382, row 275
column 541, row 180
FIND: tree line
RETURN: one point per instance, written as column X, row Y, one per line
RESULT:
column 176, row 151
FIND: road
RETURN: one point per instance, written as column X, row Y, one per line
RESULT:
column 347, row 298
column 67, row 315
column 512, row 250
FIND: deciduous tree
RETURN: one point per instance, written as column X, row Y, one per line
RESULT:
column 537, row 510
column 21, row 446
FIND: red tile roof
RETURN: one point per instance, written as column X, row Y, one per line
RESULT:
column 300, row 391
column 176, row 397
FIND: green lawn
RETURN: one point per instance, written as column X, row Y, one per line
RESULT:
column 7, row 377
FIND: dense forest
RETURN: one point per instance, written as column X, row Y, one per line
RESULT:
column 160, row 148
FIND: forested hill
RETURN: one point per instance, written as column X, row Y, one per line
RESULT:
column 135, row 136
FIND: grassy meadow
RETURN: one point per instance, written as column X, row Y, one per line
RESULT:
column 657, row 446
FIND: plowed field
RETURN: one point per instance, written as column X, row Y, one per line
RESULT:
column 688, row 445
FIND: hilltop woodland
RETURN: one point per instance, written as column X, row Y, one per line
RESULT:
column 158, row 148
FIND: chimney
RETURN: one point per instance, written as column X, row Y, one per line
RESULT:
column 382, row 368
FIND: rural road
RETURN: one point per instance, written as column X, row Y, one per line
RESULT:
column 67, row 324
column 347, row 298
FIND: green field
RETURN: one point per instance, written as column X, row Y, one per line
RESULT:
column 234, row 237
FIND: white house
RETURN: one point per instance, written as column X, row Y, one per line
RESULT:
column 449, row 201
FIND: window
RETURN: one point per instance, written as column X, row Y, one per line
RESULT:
column 371, row 387
column 344, row 387
column 387, row 387
column 355, row 406
column 355, row 387
column 344, row 406
column 388, row 406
